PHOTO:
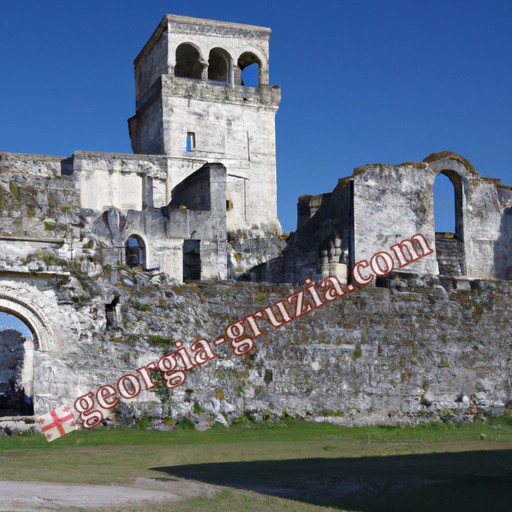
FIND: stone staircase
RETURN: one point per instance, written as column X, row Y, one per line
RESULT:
column 450, row 256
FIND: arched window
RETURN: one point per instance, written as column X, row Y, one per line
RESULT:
column 188, row 62
column 450, row 252
column 135, row 252
column 219, row 64
column 250, row 67
column 448, row 203
column 16, row 367
column 444, row 204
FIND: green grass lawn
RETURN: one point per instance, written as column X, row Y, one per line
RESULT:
column 268, row 466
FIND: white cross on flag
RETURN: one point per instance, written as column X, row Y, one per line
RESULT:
column 58, row 422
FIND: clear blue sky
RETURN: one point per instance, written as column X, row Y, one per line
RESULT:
column 8, row 321
column 363, row 81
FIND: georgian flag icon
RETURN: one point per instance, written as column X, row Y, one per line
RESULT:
column 57, row 423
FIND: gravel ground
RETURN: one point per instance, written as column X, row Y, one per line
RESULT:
column 42, row 496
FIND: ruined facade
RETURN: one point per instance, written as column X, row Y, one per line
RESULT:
column 379, row 205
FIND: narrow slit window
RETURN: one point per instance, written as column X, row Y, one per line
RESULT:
column 191, row 141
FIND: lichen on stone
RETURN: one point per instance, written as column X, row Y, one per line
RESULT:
column 441, row 155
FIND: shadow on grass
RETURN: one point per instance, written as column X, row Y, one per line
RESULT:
column 468, row 481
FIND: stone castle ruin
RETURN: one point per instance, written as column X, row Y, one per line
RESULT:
column 104, row 255
column 379, row 205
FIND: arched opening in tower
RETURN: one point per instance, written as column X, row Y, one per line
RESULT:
column 188, row 62
column 16, row 367
column 219, row 65
column 249, row 66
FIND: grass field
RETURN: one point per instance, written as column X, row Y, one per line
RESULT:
column 288, row 465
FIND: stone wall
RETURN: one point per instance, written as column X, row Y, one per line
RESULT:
column 411, row 352
column 120, row 180
column 395, row 202
column 38, row 198
column 321, row 243
column 80, row 211
column 417, row 349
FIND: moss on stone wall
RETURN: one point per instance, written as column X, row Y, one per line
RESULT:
column 370, row 353
column 453, row 156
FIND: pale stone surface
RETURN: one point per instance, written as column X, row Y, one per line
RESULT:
column 117, row 180
column 397, row 355
column 92, row 202
column 44, row 496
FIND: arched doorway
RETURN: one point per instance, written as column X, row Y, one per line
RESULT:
column 449, row 223
column 46, row 334
column 135, row 252
column 16, row 367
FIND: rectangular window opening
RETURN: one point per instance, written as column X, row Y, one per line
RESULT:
column 191, row 141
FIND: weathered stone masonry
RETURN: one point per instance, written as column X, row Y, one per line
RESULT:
column 204, row 169
column 418, row 349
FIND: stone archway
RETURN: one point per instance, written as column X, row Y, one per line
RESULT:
column 16, row 373
column 452, row 247
column 38, row 310
column 52, row 327
column 450, row 250
column 135, row 252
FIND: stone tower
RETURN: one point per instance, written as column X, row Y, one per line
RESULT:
column 194, row 104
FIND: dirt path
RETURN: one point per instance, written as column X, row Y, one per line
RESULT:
column 42, row 496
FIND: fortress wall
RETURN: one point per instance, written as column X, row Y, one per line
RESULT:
column 118, row 180
column 39, row 204
column 414, row 352
column 395, row 202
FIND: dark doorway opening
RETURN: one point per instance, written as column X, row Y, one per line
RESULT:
column 191, row 260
